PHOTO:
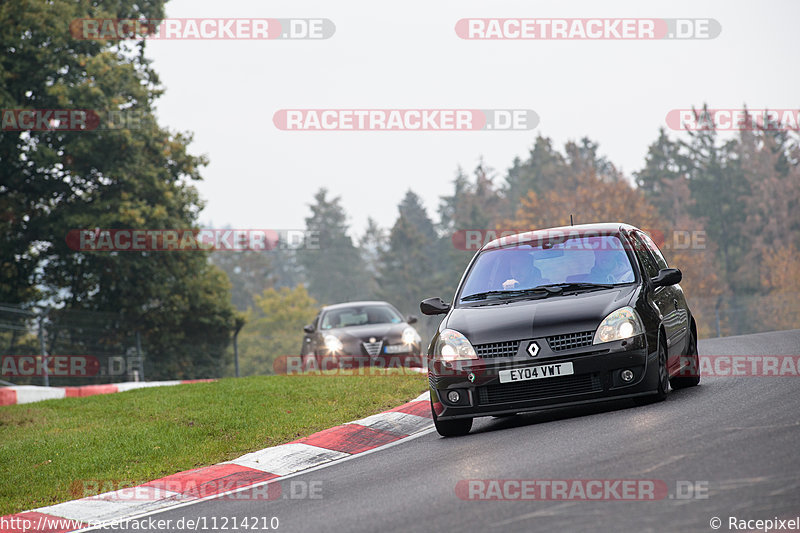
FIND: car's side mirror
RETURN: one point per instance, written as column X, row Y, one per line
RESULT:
column 434, row 306
column 411, row 319
column 667, row 277
column 309, row 328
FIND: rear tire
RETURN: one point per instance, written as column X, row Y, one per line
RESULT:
column 682, row 382
column 451, row 428
column 663, row 379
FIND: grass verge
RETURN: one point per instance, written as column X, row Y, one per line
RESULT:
column 49, row 447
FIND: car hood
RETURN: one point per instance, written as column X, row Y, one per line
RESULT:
column 368, row 331
column 527, row 319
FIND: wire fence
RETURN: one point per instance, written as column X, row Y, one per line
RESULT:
column 58, row 347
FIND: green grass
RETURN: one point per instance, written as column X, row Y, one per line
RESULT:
column 137, row 436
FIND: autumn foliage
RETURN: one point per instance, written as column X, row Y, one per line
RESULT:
column 595, row 200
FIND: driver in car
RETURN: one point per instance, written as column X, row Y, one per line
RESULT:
column 524, row 275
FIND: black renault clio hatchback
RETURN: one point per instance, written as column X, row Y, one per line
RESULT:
column 557, row 317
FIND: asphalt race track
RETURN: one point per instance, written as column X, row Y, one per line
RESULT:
column 736, row 440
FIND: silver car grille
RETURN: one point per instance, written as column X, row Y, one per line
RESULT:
column 373, row 348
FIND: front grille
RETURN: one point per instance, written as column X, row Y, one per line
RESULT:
column 373, row 348
column 497, row 349
column 570, row 340
column 539, row 389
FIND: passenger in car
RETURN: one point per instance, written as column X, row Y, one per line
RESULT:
column 611, row 267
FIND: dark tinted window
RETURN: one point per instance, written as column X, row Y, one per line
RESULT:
column 657, row 255
column 642, row 253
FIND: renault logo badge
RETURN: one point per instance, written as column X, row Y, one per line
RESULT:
column 533, row 349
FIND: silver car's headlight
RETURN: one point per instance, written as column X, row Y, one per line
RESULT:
column 621, row 324
column 410, row 336
column 454, row 346
column 333, row 344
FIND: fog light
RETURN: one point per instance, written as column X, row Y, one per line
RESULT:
column 453, row 396
column 627, row 375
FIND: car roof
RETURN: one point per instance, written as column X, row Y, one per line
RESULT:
column 345, row 305
column 569, row 231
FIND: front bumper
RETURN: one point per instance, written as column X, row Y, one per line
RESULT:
column 597, row 377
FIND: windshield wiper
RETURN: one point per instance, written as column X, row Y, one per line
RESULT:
column 542, row 291
column 576, row 286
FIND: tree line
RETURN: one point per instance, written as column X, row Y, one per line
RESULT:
column 727, row 212
column 741, row 191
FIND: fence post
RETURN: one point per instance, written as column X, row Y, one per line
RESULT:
column 238, row 324
column 716, row 314
column 139, row 353
column 236, row 352
column 44, row 352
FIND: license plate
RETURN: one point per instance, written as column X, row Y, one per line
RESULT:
column 397, row 348
column 536, row 372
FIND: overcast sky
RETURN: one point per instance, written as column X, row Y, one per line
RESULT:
column 407, row 55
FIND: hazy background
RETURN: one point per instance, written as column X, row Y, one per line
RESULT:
column 406, row 54
column 177, row 313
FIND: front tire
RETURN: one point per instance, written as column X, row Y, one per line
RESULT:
column 682, row 382
column 451, row 428
column 663, row 379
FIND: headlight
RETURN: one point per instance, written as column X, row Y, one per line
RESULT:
column 621, row 324
column 410, row 336
column 453, row 346
column 333, row 344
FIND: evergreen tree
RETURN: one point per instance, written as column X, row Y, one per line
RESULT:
column 544, row 169
column 133, row 174
column 409, row 268
column 372, row 245
column 335, row 272
column 475, row 205
column 719, row 190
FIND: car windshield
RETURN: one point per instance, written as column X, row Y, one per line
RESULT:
column 577, row 262
column 360, row 316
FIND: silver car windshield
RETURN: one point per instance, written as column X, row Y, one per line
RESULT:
column 360, row 316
